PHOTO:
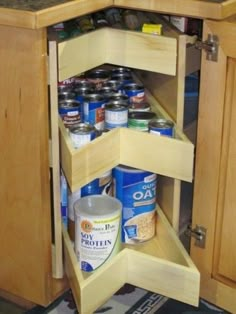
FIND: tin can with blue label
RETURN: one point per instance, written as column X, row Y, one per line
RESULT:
column 136, row 189
column 70, row 112
column 93, row 110
column 81, row 134
column 135, row 92
column 116, row 115
column 161, row 127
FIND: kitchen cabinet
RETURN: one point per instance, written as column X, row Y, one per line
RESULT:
column 32, row 248
column 214, row 195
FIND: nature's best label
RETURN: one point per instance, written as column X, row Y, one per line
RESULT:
column 98, row 240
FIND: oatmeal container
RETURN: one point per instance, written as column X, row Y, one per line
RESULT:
column 136, row 189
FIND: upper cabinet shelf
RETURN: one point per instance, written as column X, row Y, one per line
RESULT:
column 119, row 47
column 21, row 16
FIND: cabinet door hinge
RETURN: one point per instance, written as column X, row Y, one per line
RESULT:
column 210, row 46
column 199, row 233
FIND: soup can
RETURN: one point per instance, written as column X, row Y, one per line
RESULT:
column 97, row 230
column 93, row 110
column 116, row 114
column 139, row 120
column 81, row 134
column 141, row 107
column 161, row 127
column 98, row 77
column 135, row 92
column 136, row 189
column 70, row 112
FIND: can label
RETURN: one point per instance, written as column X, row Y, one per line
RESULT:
column 97, row 240
column 93, row 111
column 116, row 115
column 135, row 92
column 82, row 134
column 161, row 127
column 139, row 120
column 136, row 189
column 70, row 112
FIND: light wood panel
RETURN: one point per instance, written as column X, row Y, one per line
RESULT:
column 199, row 8
column 214, row 200
column 160, row 265
column 226, row 215
column 55, row 164
column 74, row 55
column 25, row 210
column 71, row 9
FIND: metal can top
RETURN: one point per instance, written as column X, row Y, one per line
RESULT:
column 161, row 123
column 94, row 97
column 133, row 86
column 98, row 74
column 116, row 106
column 69, row 103
column 66, row 95
column 142, row 115
column 82, row 128
column 119, row 96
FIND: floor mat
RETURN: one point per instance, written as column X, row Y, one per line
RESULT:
column 131, row 300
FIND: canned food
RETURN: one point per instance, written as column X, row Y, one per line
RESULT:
column 142, row 106
column 70, row 112
column 116, row 114
column 119, row 97
column 81, row 92
column 135, row 92
column 101, row 185
column 161, row 127
column 97, row 230
column 85, row 23
column 114, row 84
column 64, row 95
column 93, row 110
column 64, row 89
column 82, row 134
column 136, row 189
column 107, row 91
column 98, row 77
column 139, row 120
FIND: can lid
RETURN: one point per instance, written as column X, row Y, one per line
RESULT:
column 98, row 206
column 161, row 123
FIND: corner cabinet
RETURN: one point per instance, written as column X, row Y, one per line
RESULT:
column 215, row 174
column 160, row 265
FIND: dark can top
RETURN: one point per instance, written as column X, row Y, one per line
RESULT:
column 139, row 120
column 161, row 126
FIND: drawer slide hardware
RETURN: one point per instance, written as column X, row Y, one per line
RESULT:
column 199, row 233
column 210, row 46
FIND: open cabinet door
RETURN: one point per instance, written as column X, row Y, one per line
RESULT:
column 215, row 174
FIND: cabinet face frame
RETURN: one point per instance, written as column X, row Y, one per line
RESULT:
column 212, row 175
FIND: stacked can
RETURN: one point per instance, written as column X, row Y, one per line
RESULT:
column 101, row 185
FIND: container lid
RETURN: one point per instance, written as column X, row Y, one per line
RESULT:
column 98, row 206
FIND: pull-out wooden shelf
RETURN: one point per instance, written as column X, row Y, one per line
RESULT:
column 119, row 47
column 160, row 265
column 159, row 154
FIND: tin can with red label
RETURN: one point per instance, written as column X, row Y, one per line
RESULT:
column 135, row 92
column 98, row 77
column 70, row 112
